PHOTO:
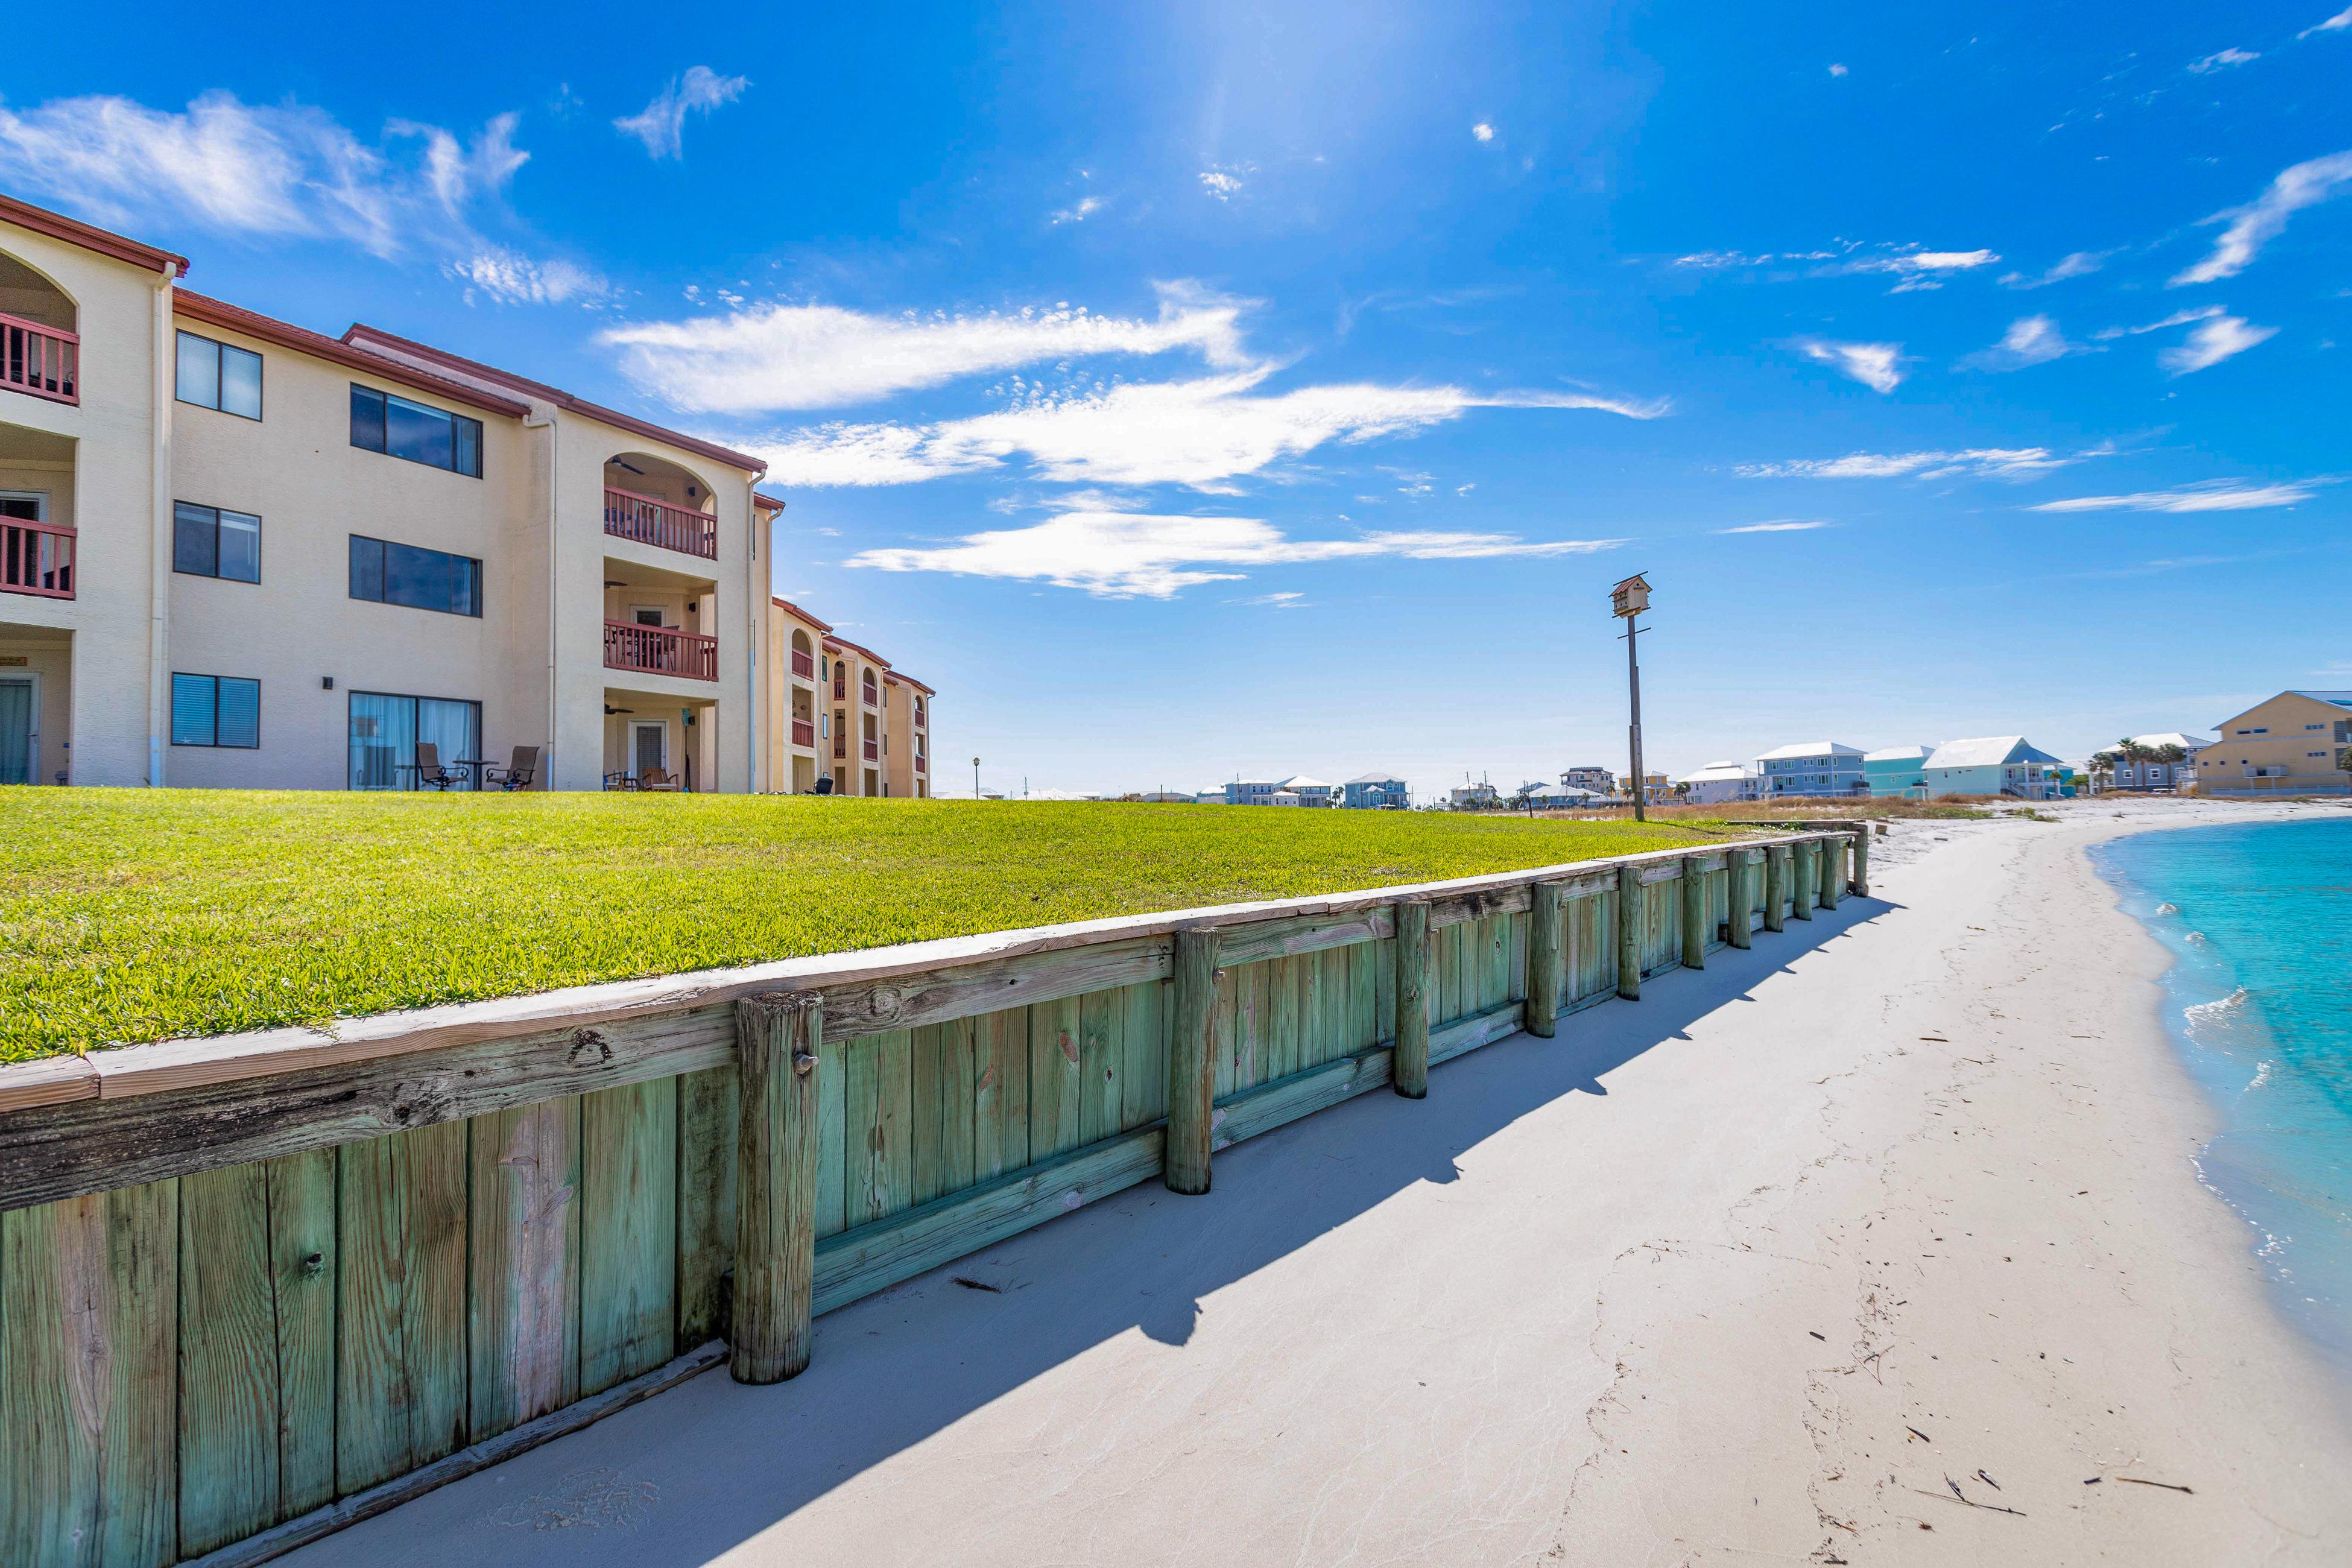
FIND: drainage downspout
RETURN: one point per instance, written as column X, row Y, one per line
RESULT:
column 159, row 572
column 535, row 421
column 759, row 626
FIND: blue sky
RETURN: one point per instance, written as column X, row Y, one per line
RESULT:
column 1196, row 390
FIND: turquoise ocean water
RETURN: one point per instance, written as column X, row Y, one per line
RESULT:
column 2259, row 1002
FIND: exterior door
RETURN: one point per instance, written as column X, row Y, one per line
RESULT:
column 649, row 747
column 19, row 731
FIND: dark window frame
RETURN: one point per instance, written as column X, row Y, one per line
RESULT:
column 370, row 430
column 217, row 744
column 220, row 353
column 215, row 573
column 383, row 574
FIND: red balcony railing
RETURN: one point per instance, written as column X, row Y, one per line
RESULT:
column 840, row 744
column 804, row 733
column 36, row 558
column 656, row 650
column 873, row 750
column 922, row 713
column 803, row 666
column 628, row 515
column 871, row 700
column 40, row 360
column 922, row 763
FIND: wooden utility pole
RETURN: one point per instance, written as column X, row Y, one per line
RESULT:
column 1628, row 600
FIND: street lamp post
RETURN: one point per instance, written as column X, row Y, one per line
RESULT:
column 1627, row 601
column 975, row 778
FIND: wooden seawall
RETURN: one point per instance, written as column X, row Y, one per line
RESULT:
column 254, row 1289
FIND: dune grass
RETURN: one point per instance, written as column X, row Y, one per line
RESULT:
column 129, row 915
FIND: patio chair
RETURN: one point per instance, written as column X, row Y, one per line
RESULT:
column 657, row 779
column 431, row 774
column 518, row 773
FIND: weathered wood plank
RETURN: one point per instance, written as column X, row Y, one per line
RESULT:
column 1285, row 997
column 1833, row 872
column 1627, row 914
column 1192, row 1063
column 1264, row 939
column 228, row 1393
column 1363, row 1010
column 776, row 1153
column 926, row 1108
column 1056, row 1089
column 1143, row 1092
column 1448, row 943
column 53, row 1080
column 1739, row 898
column 1801, row 880
column 957, row 1075
column 876, row 1256
column 1543, row 964
column 832, row 1138
column 708, row 1121
column 1776, row 885
column 524, row 1257
column 628, row 1232
column 1384, row 989
column 303, row 1247
column 1331, row 995
column 1691, row 904
column 400, row 1319
column 1318, row 1087
column 88, row 1334
column 1412, row 1062
column 870, row 1008
column 1467, row 1035
column 1102, row 1049
column 1001, row 1097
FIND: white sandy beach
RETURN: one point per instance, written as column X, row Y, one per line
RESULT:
column 1761, row 1269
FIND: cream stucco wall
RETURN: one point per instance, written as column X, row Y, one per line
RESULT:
column 2292, row 732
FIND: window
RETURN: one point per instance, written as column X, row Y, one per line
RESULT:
column 388, row 573
column 208, row 542
column 215, row 710
column 385, row 729
column 214, row 375
column 399, row 428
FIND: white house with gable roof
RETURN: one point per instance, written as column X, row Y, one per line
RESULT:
column 1810, row 767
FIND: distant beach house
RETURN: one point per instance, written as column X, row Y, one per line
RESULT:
column 1475, row 797
column 1375, row 792
column 1812, row 767
column 1994, row 765
column 2142, row 763
column 1599, row 780
column 1720, row 783
column 2298, row 742
column 1896, row 771
column 1252, row 792
column 1310, row 791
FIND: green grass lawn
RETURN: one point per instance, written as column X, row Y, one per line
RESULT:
column 131, row 915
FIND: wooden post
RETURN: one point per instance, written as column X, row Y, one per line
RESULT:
column 1543, row 960
column 1800, row 880
column 1741, row 903
column 1409, row 1067
column 1695, row 911
column 776, row 1040
column 1629, row 932
column 1776, row 885
column 1192, row 1063
column 1862, row 861
column 1832, row 879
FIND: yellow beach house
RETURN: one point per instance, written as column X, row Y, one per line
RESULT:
column 2298, row 742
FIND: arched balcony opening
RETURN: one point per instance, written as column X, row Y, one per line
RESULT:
column 653, row 500
column 804, row 655
column 40, row 348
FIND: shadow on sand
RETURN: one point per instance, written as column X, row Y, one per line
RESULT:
column 711, row 1464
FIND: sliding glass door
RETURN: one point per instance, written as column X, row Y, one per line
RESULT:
column 385, row 730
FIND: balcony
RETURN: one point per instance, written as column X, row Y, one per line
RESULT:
column 35, row 558
column 840, row 745
column 873, row 750
column 628, row 515
column 840, row 687
column 38, row 360
column 922, row 763
column 803, row 666
column 656, row 650
column 805, row 733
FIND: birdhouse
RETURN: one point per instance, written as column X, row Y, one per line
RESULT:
column 1632, row 596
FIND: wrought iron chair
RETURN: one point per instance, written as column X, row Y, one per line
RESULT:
column 518, row 773
column 431, row 774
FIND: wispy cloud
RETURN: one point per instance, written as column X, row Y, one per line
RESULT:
column 1482, row 131
column 1126, row 556
column 2222, row 60
column 1914, row 266
column 1204, row 433
column 2210, row 344
column 2335, row 24
column 1288, row 599
column 1879, row 366
column 822, row 356
column 2177, row 319
column 285, row 171
column 1780, row 527
column 1078, row 211
column 661, row 125
column 2030, row 340
column 2079, row 264
column 2212, row 495
column 2261, row 220
column 1982, row 462
column 1225, row 184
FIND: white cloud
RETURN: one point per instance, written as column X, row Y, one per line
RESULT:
column 2077, row 265
column 1289, row 599
column 514, row 278
column 1877, row 366
column 821, row 356
column 1224, row 184
column 2335, row 24
column 2260, row 221
column 2213, row 495
column 1203, row 432
column 2030, row 340
column 2221, row 60
column 2177, row 319
column 661, row 125
column 1920, row 269
column 1121, row 555
column 1483, row 132
column 1837, row 71
column 1079, row 211
column 1781, row 527
column 1980, row 463
column 2208, row 345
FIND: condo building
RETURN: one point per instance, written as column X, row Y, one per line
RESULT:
column 839, row 716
